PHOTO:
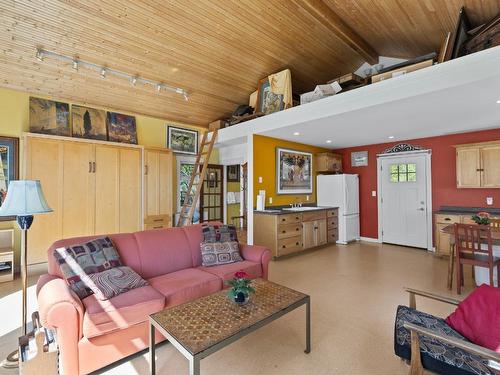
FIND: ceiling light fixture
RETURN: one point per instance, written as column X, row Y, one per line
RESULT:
column 498, row 101
column 296, row 133
column 42, row 54
column 328, row 141
column 391, row 137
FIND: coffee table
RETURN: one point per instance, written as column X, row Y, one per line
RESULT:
column 208, row 324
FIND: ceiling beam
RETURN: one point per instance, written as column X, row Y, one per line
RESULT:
column 324, row 14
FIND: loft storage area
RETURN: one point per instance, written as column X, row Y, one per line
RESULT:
column 174, row 176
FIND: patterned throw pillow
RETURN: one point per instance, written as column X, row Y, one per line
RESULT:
column 217, row 253
column 110, row 283
column 219, row 233
column 79, row 261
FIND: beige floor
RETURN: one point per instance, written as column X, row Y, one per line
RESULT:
column 354, row 290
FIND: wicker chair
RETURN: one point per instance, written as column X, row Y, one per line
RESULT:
column 429, row 343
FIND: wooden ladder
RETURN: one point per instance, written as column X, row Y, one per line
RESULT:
column 198, row 175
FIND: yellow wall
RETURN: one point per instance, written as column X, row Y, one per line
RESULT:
column 233, row 209
column 264, row 159
column 14, row 120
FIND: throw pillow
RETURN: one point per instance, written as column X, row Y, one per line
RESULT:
column 217, row 253
column 110, row 283
column 219, row 233
column 477, row 317
column 79, row 261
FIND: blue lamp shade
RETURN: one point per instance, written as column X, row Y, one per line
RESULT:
column 24, row 198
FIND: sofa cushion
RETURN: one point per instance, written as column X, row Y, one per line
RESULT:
column 218, row 253
column 227, row 271
column 185, row 285
column 218, row 233
column 120, row 312
column 474, row 316
column 115, row 281
column 163, row 251
column 436, row 356
column 79, row 261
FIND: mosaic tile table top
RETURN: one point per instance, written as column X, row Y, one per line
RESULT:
column 200, row 324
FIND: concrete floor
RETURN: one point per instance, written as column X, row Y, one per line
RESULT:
column 354, row 289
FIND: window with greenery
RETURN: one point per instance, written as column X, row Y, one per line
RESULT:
column 403, row 172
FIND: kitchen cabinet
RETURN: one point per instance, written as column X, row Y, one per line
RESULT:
column 288, row 233
column 478, row 165
column 328, row 162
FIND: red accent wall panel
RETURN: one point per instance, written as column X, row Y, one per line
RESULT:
column 444, row 190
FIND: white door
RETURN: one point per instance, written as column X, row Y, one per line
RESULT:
column 404, row 199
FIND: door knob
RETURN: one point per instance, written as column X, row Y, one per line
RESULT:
column 421, row 209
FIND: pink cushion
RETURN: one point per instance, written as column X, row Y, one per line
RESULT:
column 185, row 285
column 477, row 317
column 163, row 251
column 120, row 312
column 227, row 271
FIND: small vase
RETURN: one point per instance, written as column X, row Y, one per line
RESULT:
column 241, row 298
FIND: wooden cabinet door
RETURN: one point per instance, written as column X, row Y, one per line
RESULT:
column 468, row 168
column 107, row 189
column 152, row 185
column 321, row 232
column 78, row 189
column 165, row 181
column 44, row 162
column 308, row 234
column 490, row 165
column 442, row 240
column 129, row 190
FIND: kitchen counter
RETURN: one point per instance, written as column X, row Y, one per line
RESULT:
column 289, row 210
column 456, row 210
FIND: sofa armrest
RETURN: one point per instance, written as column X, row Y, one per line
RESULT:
column 469, row 347
column 414, row 292
column 62, row 310
column 257, row 254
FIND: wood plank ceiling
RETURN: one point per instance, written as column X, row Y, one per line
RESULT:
column 216, row 50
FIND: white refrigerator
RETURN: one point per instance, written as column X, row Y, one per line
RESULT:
column 342, row 191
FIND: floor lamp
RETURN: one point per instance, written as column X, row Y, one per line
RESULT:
column 24, row 199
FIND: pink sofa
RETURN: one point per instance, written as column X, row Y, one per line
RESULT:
column 93, row 333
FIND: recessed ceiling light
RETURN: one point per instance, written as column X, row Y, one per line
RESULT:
column 498, row 101
column 328, row 141
column 391, row 137
column 296, row 133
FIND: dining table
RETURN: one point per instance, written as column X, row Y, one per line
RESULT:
column 450, row 229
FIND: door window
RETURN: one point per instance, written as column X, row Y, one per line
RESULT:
column 406, row 172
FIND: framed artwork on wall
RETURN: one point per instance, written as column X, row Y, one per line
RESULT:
column 267, row 101
column 88, row 123
column 359, row 159
column 293, row 172
column 182, row 141
column 9, row 167
column 121, row 128
column 49, row 117
column 233, row 173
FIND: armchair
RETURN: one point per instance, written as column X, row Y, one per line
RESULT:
column 430, row 344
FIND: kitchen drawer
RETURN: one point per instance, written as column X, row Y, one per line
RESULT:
column 333, row 236
column 332, row 222
column 311, row 216
column 289, row 230
column 157, row 220
column 155, row 226
column 289, row 245
column 447, row 219
column 289, row 218
column 467, row 219
column 332, row 213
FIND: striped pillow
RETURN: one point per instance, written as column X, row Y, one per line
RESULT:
column 118, row 280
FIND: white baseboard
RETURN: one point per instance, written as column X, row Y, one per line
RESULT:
column 369, row 239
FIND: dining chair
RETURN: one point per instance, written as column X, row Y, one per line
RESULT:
column 474, row 246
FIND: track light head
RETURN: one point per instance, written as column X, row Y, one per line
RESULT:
column 39, row 54
column 186, row 97
column 75, row 64
column 133, row 81
column 103, row 72
column 158, row 87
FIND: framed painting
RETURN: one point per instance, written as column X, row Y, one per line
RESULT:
column 359, row 159
column 233, row 173
column 121, row 128
column 293, row 172
column 9, row 167
column 49, row 117
column 267, row 101
column 182, row 141
column 88, row 123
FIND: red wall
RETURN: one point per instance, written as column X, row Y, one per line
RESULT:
column 444, row 190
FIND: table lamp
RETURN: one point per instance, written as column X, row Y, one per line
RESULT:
column 24, row 199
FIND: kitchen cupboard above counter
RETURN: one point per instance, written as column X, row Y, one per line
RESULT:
column 286, row 232
column 478, row 165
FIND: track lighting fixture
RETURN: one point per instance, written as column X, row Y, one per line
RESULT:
column 104, row 71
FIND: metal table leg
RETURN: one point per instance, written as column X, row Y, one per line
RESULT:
column 194, row 366
column 308, row 326
column 152, row 357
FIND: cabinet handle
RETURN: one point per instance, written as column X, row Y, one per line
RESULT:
column 146, row 169
column 296, row 243
column 90, row 167
column 480, row 169
column 447, row 219
column 284, row 246
column 157, row 220
column 283, row 231
column 297, row 229
column 157, row 227
column 93, row 164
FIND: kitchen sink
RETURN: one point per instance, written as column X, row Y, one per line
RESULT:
column 303, row 208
